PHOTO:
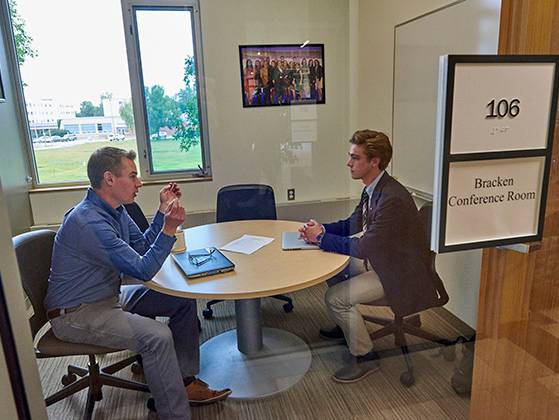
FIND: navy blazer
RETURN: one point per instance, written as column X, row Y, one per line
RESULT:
column 395, row 246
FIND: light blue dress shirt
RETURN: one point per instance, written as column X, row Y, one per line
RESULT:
column 95, row 246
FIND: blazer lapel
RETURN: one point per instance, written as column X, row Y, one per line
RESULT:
column 376, row 196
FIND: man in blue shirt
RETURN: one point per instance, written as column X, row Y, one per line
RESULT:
column 97, row 244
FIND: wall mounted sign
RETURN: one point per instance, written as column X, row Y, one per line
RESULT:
column 289, row 74
column 496, row 116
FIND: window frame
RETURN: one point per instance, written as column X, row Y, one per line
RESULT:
column 138, row 101
column 137, row 86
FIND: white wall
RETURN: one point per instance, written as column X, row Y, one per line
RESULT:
column 257, row 145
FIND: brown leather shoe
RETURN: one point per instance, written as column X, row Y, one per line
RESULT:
column 199, row 393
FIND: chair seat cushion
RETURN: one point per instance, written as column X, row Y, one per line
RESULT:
column 49, row 345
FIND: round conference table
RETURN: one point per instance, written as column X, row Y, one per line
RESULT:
column 251, row 360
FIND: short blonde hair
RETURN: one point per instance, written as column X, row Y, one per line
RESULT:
column 375, row 143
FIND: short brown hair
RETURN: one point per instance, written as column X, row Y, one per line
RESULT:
column 375, row 143
column 106, row 159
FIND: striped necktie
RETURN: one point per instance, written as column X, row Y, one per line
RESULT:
column 365, row 209
column 365, row 212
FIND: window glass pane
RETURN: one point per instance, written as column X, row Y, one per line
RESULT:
column 170, row 88
column 76, row 83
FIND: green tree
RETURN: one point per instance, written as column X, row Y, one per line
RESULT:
column 87, row 109
column 22, row 39
column 162, row 110
column 187, row 125
column 127, row 114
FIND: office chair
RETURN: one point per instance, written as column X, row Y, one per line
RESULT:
column 246, row 202
column 34, row 252
column 400, row 326
column 136, row 213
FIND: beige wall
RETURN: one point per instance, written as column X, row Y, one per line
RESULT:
column 377, row 19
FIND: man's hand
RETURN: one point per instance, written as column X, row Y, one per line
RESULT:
column 174, row 217
column 167, row 194
column 310, row 230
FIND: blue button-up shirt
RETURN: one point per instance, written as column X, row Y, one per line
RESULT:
column 95, row 245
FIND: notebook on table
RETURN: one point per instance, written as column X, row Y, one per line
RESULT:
column 203, row 262
column 291, row 241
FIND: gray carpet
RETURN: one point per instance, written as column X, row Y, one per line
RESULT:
column 316, row 396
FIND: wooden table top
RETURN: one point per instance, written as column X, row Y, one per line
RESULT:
column 267, row 272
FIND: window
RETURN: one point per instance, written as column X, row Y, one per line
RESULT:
column 166, row 80
column 68, row 90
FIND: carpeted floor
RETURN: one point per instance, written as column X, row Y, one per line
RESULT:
column 316, row 396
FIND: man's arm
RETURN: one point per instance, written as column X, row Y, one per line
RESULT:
column 100, row 240
column 141, row 242
column 387, row 218
column 347, row 227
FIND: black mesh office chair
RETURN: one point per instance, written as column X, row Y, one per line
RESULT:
column 246, row 202
column 400, row 326
column 136, row 213
column 34, row 253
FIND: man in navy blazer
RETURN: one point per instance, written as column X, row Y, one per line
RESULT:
column 389, row 260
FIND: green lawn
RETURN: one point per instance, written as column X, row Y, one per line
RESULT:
column 69, row 163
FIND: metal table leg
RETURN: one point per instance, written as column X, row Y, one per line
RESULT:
column 254, row 362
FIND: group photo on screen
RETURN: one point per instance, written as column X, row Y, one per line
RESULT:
column 282, row 74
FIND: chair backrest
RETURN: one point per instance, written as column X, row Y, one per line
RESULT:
column 34, row 254
column 136, row 213
column 425, row 214
column 245, row 202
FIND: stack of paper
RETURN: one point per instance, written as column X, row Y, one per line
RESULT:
column 247, row 244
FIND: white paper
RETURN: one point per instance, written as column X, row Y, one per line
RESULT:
column 247, row 244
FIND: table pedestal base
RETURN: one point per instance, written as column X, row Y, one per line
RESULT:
column 281, row 363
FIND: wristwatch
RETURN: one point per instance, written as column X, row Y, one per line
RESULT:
column 319, row 238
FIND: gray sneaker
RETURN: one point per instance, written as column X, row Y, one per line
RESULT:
column 355, row 371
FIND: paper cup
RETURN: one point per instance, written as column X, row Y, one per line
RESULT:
column 180, row 244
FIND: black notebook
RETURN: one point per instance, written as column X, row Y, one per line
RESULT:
column 203, row 262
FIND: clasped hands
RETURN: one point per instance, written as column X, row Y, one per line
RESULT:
column 310, row 230
column 170, row 206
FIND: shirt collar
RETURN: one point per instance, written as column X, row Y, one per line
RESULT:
column 371, row 187
column 98, row 201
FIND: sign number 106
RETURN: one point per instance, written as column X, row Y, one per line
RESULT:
column 503, row 108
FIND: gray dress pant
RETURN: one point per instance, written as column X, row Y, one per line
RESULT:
column 346, row 290
column 170, row 353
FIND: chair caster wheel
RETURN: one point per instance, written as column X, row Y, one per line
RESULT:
column 449, row 353
column 208, row 314
column 68, row 379
column 288, row 307
column 151, row 405
column 407, row 379
column 137, row 369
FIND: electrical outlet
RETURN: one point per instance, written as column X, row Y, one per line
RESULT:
column 291, row 194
